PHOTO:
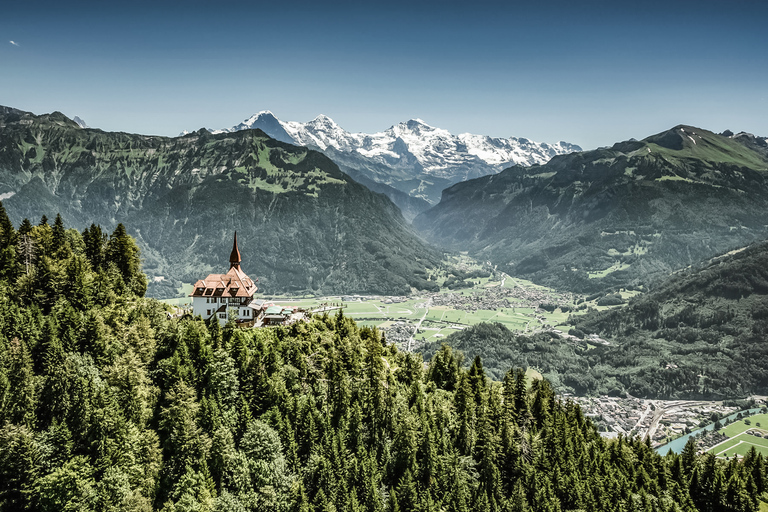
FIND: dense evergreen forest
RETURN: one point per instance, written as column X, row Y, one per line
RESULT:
column 109, row 403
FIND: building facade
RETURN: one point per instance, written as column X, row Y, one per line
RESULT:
column 227, row 296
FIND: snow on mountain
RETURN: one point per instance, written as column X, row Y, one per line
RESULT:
column 432, row 151
column 80, row 122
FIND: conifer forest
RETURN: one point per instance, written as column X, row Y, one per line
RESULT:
column 110, row 403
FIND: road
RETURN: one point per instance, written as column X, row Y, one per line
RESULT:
column 668, row 408
column 418, row 325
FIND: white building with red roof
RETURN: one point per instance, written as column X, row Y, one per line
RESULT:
column 227, row 296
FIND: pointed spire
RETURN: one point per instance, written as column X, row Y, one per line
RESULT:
column 234, row 257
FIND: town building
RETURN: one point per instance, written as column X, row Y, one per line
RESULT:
column 227, row 296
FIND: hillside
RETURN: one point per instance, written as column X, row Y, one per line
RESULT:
column 618, row 216
column 303, row 225
column 108, row 402
column 708, row 324
column 700, row 334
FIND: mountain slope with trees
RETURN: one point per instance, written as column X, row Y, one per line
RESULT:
column 618, row 216
column 109, row 403
column 303, row 225
column 699, row 334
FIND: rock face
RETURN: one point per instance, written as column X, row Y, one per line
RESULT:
column 612, row 217
column 301, row 222
column 412, row 157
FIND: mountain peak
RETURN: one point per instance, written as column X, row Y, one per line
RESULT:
column 416, row 124
column 80, row 122
column 323, row 120
column 409, row 149
column 261, row 114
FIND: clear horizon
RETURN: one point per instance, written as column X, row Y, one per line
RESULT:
column 589, row 74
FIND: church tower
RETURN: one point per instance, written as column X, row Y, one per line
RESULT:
column 227, row 296
column 234, row 256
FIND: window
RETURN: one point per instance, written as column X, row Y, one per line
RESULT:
column 222, row 315
column 208, row 312
column 246, row 313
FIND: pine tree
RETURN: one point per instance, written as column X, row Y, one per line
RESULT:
column 20, row 468
column 19, row 406
column 95, row 246
column 407, row 493
column 9, row 265
column 123, row 252
column 60, row 243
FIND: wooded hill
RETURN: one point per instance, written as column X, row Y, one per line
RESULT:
column 107, row 403
column 699, row 334
column 302, row 224
column 625, row 215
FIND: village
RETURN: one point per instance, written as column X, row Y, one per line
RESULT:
column 406, row 321
column 659, row 420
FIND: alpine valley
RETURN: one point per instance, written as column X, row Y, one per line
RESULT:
column 411, row 157
column 620, row 216
column 699, row 333
column 304, row 224
column 110, row 401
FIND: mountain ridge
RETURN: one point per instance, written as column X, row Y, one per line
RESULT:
column 611, row 216
column 411, row 156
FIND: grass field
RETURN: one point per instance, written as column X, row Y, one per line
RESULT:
column 740, row 445
column 739, row 442
column 737, row 427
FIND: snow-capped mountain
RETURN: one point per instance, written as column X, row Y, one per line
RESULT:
column 412, row 156
column 80, row 122
column 437, row 150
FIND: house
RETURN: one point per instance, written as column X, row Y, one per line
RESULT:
column 227, row 296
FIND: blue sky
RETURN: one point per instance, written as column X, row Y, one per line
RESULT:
column 586, row 72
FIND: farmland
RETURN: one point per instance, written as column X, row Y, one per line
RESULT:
column 743, row 436
column 411, row 321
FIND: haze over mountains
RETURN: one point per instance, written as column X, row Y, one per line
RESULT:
column 613, row 216
column 303, row 225
column 412, row 157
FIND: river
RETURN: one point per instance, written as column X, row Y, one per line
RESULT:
column 678, row 444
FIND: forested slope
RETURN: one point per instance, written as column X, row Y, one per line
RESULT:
column 710, row 322
column 699, row 334
column 625, row 215
column 108, row 403
column 303, row 225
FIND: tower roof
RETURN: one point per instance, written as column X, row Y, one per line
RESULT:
column 234, row 256
column 235, row 283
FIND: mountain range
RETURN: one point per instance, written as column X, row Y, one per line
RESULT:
column 412, row 156
column 591, row 221
column 618, row 216
column 302, row 224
